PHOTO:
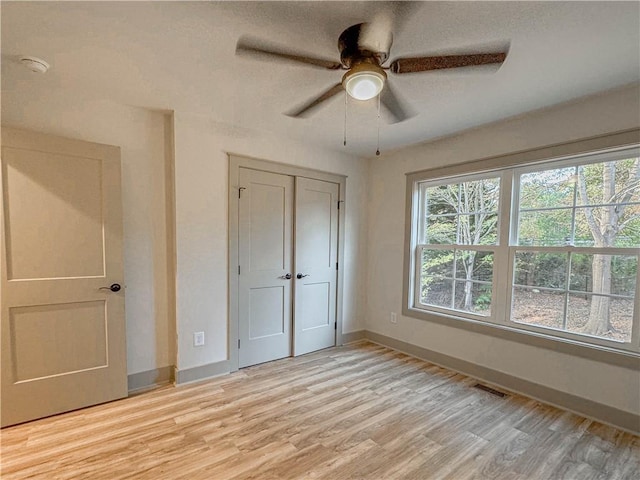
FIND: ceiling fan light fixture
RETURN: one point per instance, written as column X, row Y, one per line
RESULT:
column 364, row 81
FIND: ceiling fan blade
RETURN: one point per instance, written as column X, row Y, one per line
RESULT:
column 392, row 103
column 424, row 64
column 257, row 48
column 309, row 106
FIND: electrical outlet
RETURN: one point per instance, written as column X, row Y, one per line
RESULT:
column 394, row 317
column 198, row 339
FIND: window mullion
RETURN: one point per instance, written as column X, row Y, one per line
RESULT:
column 572, row 234
column 502, row 276
column 455, row 274
column 635, row 329
column 567, row 286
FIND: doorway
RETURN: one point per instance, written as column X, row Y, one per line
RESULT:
column 285, row 238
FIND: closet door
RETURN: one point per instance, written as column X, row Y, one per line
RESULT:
column 316, row 257
column 265, row 252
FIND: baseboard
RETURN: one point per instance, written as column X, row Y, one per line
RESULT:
column 141, row 381
column 351, row 337
column 615, row 417
column 202, row 372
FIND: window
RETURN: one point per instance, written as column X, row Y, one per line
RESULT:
column 550, row 248
column 458, row 235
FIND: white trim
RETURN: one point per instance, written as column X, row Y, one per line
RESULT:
column 597, row 156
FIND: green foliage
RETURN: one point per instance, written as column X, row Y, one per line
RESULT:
column 608, row 192
column 483, row 301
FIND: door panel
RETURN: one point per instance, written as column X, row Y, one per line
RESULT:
column 52, row 339
column 268, row 225
column 43, row 179
column 316, row 248
column 265, row 251
column 63, row 338
column 267, row 307
column 315, row 310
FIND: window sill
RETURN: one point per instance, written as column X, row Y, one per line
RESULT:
column 596, row 353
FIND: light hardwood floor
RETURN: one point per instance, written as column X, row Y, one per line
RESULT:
column 356, row 412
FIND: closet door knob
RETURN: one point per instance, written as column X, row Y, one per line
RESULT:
column 300, row 275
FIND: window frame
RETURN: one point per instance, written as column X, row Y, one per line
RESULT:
column 510, row 168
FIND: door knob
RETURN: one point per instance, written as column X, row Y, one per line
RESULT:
column 115, row 287
column 286, row 277
column 300, row 275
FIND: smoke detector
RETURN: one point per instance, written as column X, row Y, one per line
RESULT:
column 35, row 64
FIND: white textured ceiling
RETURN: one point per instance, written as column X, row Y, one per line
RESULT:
column 181, row 56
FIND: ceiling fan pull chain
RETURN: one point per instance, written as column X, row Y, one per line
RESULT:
column 378, row 122
column 346, row 98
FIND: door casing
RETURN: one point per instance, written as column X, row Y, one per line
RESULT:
column 235, row 163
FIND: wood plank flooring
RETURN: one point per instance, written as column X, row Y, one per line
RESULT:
column 356, row 412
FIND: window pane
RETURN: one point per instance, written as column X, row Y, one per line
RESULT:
column 608, row 182
column 549, row 188
column 629, row 232
column 535, row 307
column 437, row 263
column 541, row 269
column 601, row 316
column 461, row 213
column 594, row 223
column 478, row 229
column 437, row 292
column 473, row 297
column 615, row 186
column 588, row 226
column 548, row 228
column 607, row 274
column 435, row 288
column 441, row 229
column 441, row 200
column 473, row 265
column 479, row 195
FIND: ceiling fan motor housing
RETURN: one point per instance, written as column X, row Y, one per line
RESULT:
column 350, row 51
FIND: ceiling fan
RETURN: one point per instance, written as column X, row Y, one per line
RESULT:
column 364, row 50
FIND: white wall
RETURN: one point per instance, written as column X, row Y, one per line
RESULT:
column 201, row 183
column 140, row 134
column 605, row 113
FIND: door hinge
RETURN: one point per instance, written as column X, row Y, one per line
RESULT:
column 335, row 325
column 238, row 343
column 240, row 191
column 238, row 269
column 336, row 265
column 339, row 202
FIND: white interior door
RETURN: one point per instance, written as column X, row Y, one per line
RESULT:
column 63, row 336
column 265, row 250
column 316, row 257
